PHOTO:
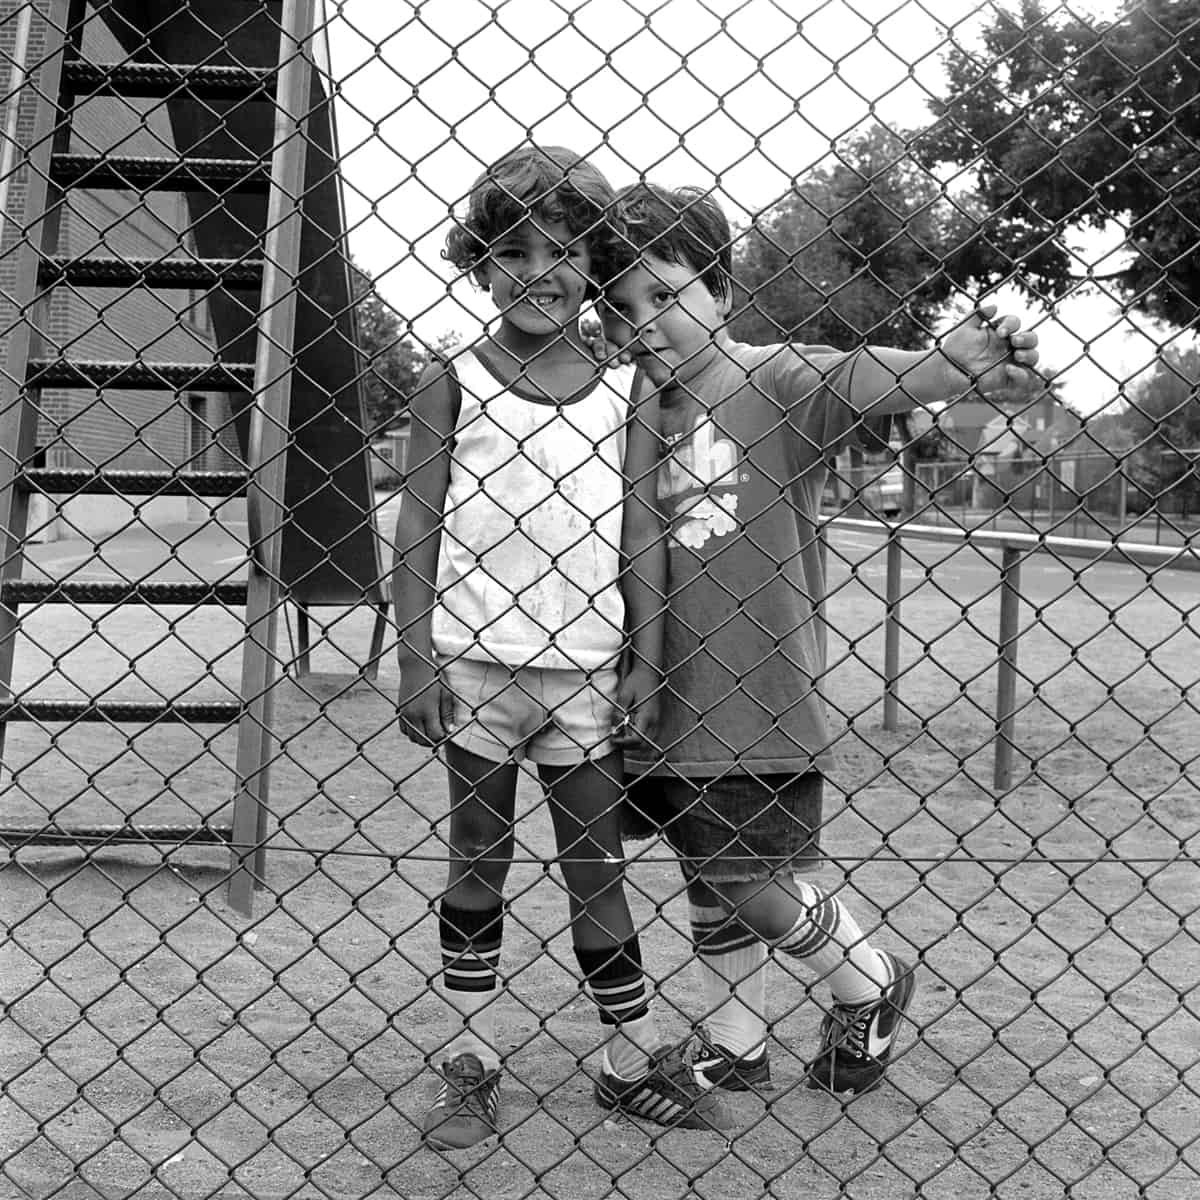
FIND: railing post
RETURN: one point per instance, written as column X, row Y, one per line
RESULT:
column 270, row 431
column 891, row 635
column 1006, row 674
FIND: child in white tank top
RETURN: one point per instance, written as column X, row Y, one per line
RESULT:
column 528, row 541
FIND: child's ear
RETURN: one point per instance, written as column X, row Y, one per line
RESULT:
column 483, row 276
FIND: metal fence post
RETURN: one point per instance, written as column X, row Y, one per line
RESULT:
column 891, row 635
column 1006, row 674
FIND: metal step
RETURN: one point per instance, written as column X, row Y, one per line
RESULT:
column 118, row 591
column 152, row 272
column 117, row 712
column 140, row 376
column 54, row 481
column 204, row 835
column 168, row 79
column 159, row 174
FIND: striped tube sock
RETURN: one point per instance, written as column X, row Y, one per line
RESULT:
column 731, row 961
column 827, row 939
column 614, row 978
column 470, row 959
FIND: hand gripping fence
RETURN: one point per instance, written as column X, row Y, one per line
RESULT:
column 230, row 965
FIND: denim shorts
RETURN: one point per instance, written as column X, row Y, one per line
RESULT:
column 734, row 827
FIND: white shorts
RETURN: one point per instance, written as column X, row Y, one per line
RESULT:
column 552, row 717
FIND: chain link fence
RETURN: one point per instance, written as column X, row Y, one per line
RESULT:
column 222, row 280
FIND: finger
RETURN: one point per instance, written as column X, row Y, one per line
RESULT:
column 413, row 732
column 627, row 734
column 446, row 711
column 1022, row 378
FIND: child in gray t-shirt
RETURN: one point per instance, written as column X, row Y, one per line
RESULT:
column 737, row 788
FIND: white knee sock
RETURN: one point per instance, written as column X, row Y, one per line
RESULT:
column 827, row 939
column 470, row 984
column 731, row 962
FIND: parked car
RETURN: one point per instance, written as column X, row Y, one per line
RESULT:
column 891, row 491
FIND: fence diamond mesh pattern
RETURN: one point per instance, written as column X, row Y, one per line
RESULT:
column 229, row 314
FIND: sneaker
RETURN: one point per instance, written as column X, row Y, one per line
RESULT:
column 857, row 1039
column 667, row 1095
column 714, row 1066
column 467, row 1105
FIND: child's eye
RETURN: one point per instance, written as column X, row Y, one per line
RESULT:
column 663, row 297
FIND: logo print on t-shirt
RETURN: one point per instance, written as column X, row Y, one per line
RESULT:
column 687, row 484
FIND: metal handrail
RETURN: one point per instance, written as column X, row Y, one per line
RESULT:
column 1014, row 547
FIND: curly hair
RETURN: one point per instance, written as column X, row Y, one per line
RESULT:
column 685, row 226
column 550, row 182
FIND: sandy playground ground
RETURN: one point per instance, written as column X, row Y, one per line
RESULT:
column 155, row 1043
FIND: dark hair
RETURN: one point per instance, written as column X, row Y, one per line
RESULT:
column 684, row 226
column 550, row 182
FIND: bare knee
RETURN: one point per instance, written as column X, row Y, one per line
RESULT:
column 594, row 883
column 480, row 855
column 767, row 907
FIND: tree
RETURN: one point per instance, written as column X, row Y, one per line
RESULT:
column 854, row 253
column 1061, row 124
column 1163, row 422
column 393, row 361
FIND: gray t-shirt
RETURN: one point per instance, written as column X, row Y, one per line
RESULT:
column 746, row 445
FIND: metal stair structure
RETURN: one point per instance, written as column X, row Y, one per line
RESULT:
column 281, row 96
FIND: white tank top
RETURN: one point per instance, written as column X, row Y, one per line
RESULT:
column 530, row 553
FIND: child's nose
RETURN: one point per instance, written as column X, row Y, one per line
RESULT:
column 540, row 264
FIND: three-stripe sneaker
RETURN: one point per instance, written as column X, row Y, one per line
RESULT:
column 857, row 1039
column 714, row 1066
column 668, row 1095
column 467, row 1105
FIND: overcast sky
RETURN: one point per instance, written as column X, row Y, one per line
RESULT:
column 744, row 96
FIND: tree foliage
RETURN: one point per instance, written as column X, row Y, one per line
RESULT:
column 860, row 250
column 1063, row 122
column 1163, row 422
column 392, row 359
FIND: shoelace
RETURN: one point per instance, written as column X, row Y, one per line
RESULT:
column 675, row 1065
column 468, row 1084
column 853, row 1024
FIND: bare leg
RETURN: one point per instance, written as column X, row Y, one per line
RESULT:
column 807, row 923
column 584, row 805
column 471, row 915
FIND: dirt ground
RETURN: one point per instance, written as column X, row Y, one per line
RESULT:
column 155, row 1043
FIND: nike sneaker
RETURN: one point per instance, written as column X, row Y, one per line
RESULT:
column 857, row 1039
column 714, row 1066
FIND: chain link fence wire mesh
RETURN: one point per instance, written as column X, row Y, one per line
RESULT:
column 222, row 279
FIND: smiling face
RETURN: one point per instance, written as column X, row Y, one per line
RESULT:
column 538, row 275
column 665, row 315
